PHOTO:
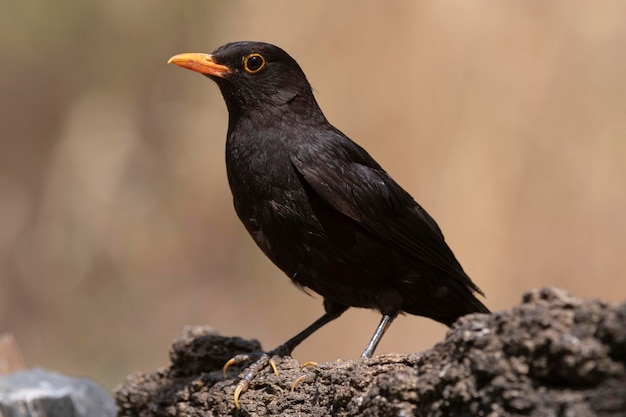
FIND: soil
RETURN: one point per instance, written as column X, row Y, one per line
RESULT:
column 553, row 355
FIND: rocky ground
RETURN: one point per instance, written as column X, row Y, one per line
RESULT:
column 553, row 355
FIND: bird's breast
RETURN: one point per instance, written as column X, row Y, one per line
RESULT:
column 268, row 195
column 258, row 172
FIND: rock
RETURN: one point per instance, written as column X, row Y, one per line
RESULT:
column 553, row 355
column 39, row 393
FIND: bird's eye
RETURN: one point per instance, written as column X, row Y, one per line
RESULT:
column 253, row 63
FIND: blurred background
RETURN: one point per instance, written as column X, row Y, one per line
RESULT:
column 505, row 120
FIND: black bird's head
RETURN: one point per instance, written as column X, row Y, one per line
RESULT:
column 257, row 79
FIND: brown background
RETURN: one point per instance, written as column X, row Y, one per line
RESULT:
column 506, row 120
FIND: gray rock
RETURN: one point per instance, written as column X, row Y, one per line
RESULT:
column 40, row 393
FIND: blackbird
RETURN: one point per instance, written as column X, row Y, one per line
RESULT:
column 320, row 207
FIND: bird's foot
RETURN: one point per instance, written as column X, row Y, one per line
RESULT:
column 303, row 377
column 252, row 371
column 261, row 360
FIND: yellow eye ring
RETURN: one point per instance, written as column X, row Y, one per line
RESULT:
column 253, row 63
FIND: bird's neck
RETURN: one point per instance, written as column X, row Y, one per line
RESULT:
column 300, row 111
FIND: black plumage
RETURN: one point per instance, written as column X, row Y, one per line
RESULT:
column 319, row 206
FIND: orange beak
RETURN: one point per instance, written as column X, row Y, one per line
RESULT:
column 202, row 63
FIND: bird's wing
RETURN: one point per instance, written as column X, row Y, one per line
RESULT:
column 347, row 178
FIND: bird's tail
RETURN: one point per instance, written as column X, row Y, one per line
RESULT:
column 448, row 308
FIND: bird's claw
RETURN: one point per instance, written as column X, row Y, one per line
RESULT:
column 298, row 380
column 242, row 358
column 241, row 387
column 308, row 364
column 231, row 362
column 272, row 363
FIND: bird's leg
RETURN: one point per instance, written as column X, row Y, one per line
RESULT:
column 384, row 324
column 332, row 312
